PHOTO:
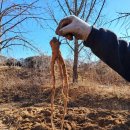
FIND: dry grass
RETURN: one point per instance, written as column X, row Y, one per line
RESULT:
column 100, row 73
column 33, row 85
column 94, row 103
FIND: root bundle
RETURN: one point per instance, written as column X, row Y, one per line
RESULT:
column 57, row 57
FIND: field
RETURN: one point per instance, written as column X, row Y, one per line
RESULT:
column 99, row 101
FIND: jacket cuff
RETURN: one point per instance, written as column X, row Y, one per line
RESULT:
column 91, row 38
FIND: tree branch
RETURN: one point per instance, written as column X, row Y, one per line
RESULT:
column 90, row 10
column 1, row 5
column 81, row 47
column 83, row 14
column 52, row 15
column 19, row 13
column 100, row 12
column 75, row 10
column 69, row 45
column 25, row 43
column 68, row 6
column 80, row 7
column 123, row 15
column 62, row 8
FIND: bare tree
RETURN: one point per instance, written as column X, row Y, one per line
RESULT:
column 12, row 17
column 88, row 10
column 123, row 20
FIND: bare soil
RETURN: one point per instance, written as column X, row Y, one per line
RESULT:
column 25, row 103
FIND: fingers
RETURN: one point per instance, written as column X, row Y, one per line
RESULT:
column 62, row 24
column 64, row 28
column 69, row 36
column 67, row 32
column 73, row 26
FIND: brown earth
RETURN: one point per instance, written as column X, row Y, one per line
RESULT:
column 25, row 102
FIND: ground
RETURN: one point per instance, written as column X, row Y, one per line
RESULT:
column 25, row 103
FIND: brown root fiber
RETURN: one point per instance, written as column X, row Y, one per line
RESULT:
column 57, row 57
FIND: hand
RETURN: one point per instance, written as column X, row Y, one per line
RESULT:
column 73, row 26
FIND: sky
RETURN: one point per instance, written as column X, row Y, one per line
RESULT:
column 40, row 37
column 112, row 7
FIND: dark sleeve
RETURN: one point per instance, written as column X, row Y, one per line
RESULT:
column 110, row 49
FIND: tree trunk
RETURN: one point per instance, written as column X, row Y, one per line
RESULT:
column 75, row 63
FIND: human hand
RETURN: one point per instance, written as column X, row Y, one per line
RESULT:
column 73, row 26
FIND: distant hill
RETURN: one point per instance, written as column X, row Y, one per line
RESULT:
column 95, row 71
column 37, row 62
